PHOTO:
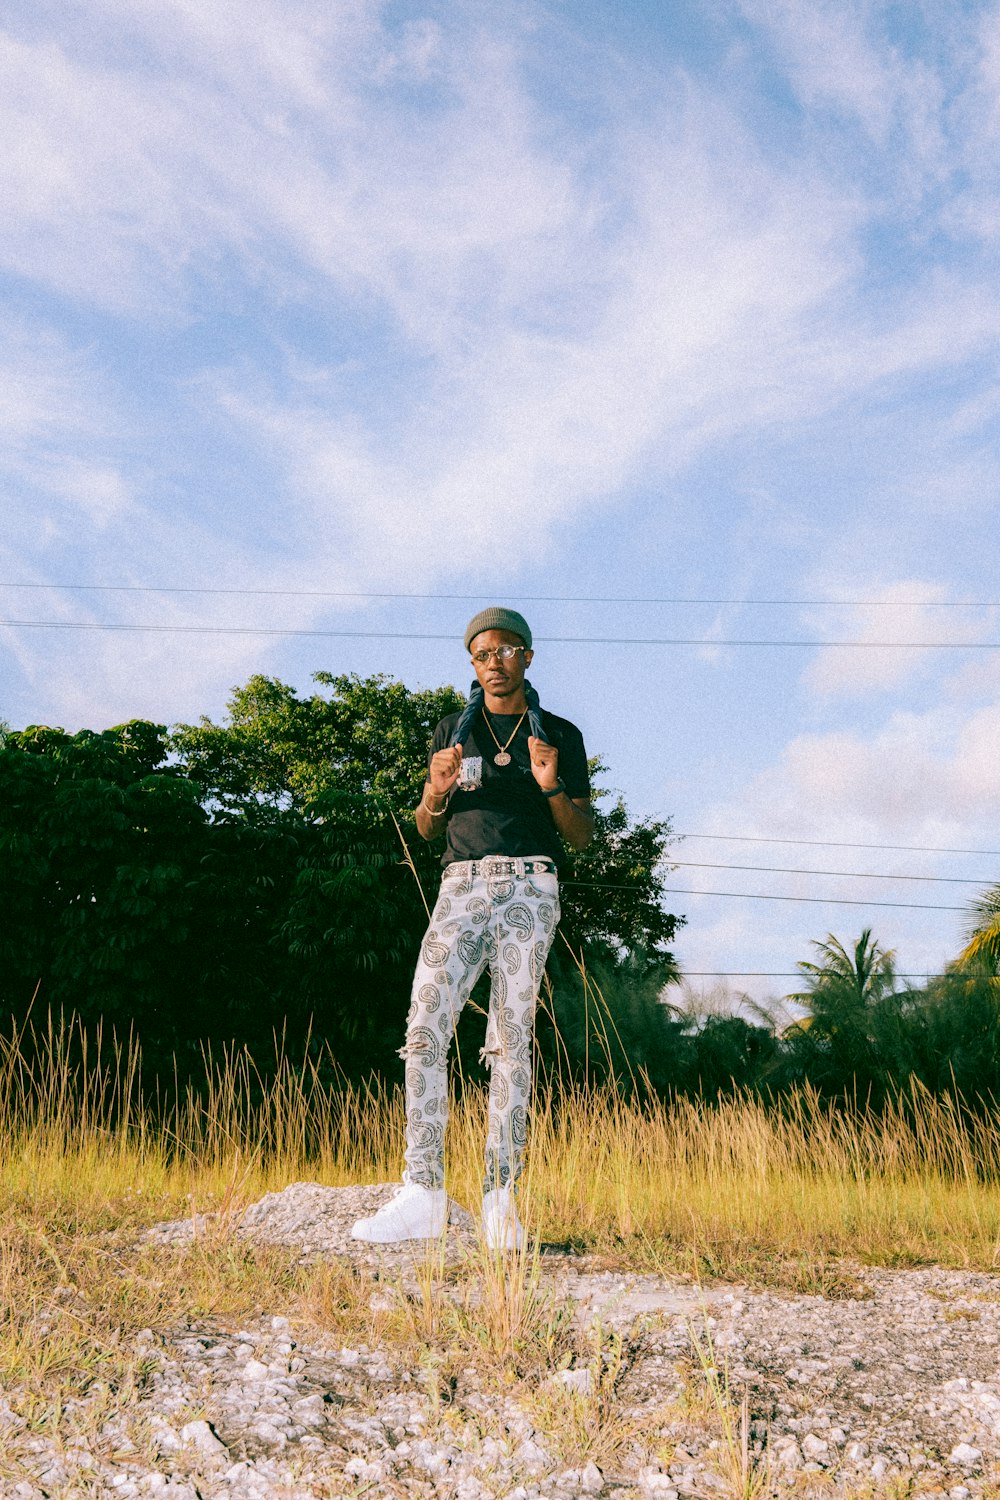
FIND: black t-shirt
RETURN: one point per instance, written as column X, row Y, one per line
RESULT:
column 506, row 813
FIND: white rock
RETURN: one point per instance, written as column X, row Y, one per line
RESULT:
column 165, row 1437
column 591, row 1479
column 267, row 1432
column 855, row 1452
column 532, row 1455
column 471, row 1488
column 200, row 1436
column 786, row 1453
column 255, row 1369
column 653, row 1481
column 965, row 1455
column 581, row 1381
column 880, row 1466
column 815, row 1449
column 310, row 1411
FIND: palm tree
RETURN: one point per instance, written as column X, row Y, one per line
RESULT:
column 982, row 948
column 839, row 1045
column 849, row 980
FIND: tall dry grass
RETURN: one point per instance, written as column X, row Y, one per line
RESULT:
column 733, row 1188
column 779, row 1193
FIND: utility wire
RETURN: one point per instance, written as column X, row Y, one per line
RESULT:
column 146, row 588
column 693, row 864
column 750, row 838
column 676, row 890
column 810, row 900
column 554, row 640
column 765, row 974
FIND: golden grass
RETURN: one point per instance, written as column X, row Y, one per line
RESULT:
column 789, row 1194
column 742, row 1187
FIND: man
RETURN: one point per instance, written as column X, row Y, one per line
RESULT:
column 507, row 786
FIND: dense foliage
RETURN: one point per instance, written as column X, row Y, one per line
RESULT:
column 232, row 882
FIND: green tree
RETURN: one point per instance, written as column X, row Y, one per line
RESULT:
column 96, row 838
column 368, row 738
column 612, row 893
column 982, row 948
column 849, row 995
column 231, row 879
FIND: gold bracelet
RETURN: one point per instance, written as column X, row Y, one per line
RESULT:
column 441, row 810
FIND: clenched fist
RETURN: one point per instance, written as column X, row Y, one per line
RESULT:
column 544, row 763
column 444, row 769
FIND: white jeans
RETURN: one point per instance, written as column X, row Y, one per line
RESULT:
column 500, row 912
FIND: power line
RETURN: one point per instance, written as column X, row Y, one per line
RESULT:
column 693, row 864
column 676, row 890
column 552, row 640
column 750, row 838
column 147, row 588
column 765, row 974
column 810, row 900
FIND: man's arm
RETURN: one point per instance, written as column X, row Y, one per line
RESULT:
column 573, row 818
column 571, row 815
column 432, row 814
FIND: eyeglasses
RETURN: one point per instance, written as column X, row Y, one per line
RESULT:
column 502, row 653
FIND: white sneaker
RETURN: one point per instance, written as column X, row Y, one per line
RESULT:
column 502, row 1229
column 413, row 1213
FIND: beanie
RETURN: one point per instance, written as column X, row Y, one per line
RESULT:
column 498, row 618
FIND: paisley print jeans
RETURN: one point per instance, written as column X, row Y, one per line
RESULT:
column 507, row 921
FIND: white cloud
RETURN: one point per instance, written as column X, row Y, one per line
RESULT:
column 901, row 611
column 840, row 60
column 560, row 313
column 923, row 780
column 56, row 435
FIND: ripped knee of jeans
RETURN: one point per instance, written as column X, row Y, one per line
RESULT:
column 493, row 1052
column 420, row 1047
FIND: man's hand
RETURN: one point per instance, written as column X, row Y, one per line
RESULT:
column 544, row 763
column 444, row 768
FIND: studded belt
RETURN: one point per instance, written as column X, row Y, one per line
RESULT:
column 495, row 864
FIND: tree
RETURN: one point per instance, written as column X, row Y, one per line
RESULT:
column 96, row 840
column 849, row 996
column 612, row 893
column 982, row 948
column 368, row 738
column 230, row 879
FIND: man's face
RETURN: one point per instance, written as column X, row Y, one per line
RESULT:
column 501, row 679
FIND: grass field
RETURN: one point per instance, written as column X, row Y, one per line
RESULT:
column 792, row 1195
column 737, row 1188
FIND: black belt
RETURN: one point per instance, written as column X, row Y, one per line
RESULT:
column 497, row 864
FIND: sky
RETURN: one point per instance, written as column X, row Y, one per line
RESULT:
column 675, row 326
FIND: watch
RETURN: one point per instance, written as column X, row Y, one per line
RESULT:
column 553, row 791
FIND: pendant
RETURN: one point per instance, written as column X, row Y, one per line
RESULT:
column 501, row 758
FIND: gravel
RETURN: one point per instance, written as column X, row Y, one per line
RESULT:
column 896, row 1386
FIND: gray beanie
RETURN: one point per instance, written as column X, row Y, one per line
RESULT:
column 497, row 618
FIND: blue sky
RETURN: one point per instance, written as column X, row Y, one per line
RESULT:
column 530, row 303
